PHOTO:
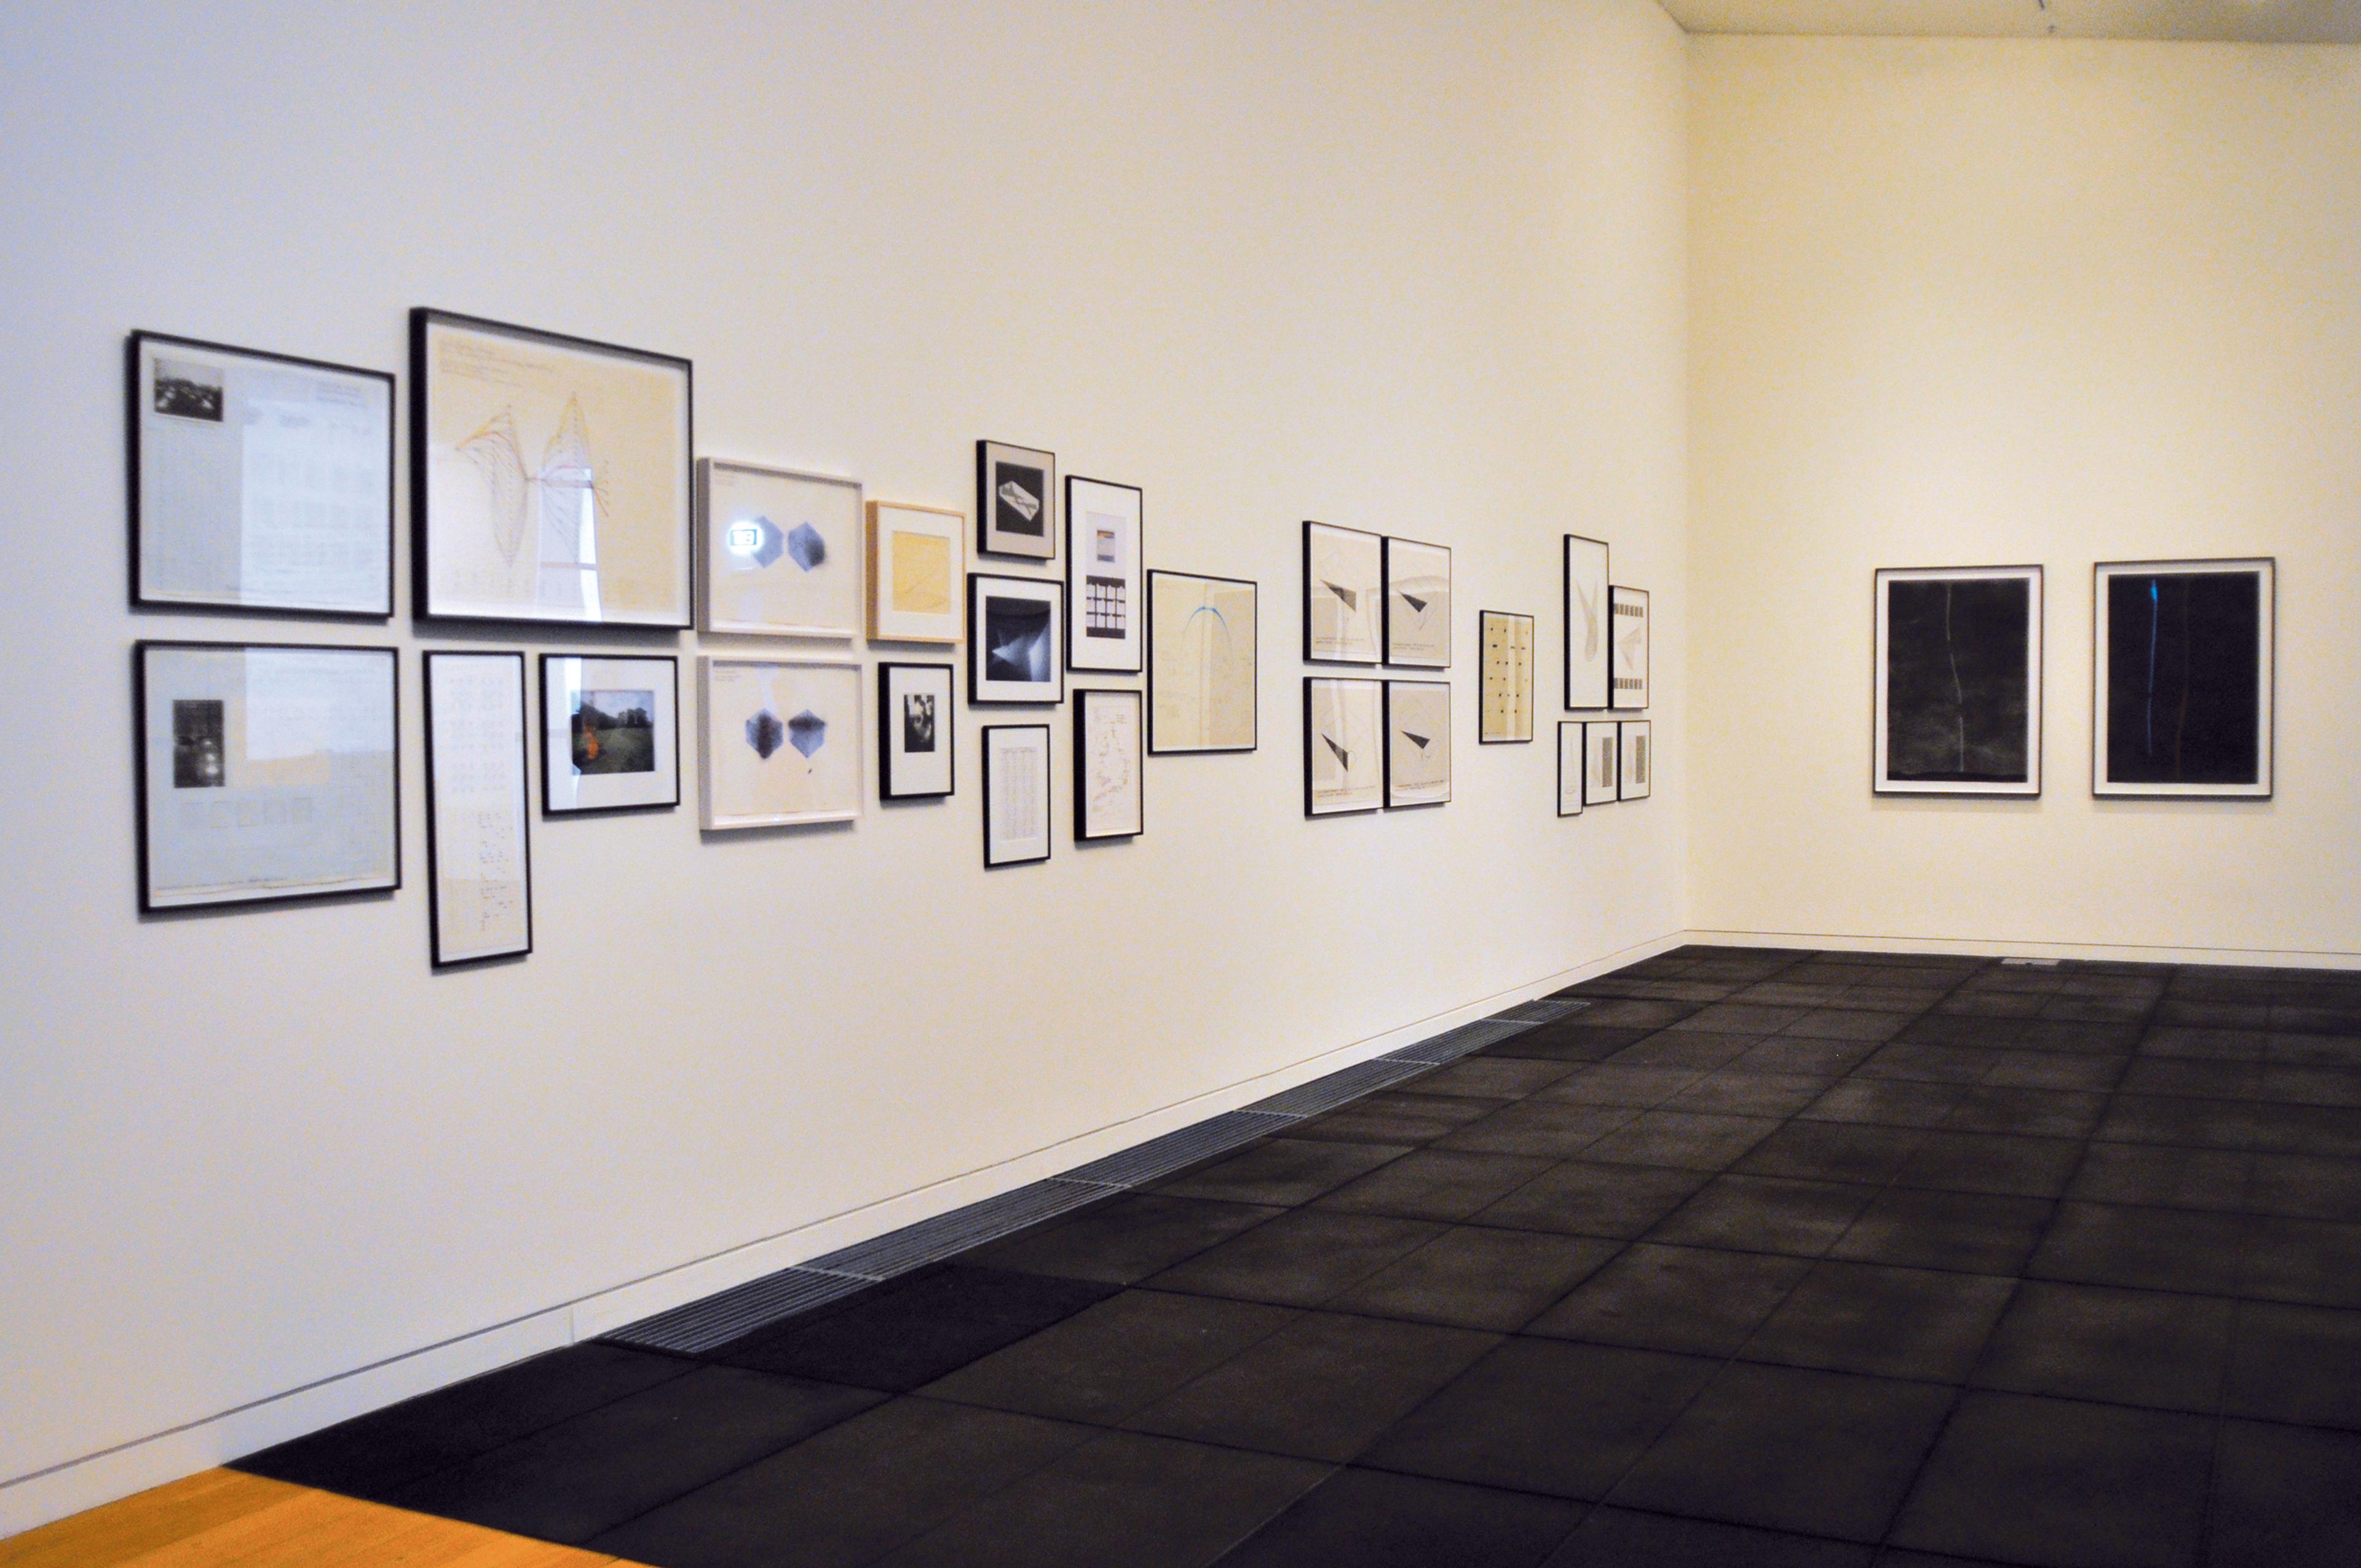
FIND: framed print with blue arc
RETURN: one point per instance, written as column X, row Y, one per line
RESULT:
column 1203, row 652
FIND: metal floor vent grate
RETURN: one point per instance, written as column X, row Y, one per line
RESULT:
column 912, row 1246
column 1162, row 1156
column 1338, row 1088
column 704, row 1325
column 1452, row 1044
column 2029, row 963
column 1542, row 1010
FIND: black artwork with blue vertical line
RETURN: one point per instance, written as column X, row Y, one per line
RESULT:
column 2183, row 684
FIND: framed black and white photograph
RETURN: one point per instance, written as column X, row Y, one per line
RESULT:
column 257, row 481
column 1627, row 649
column 1417, row 604
column 1109, row 747
column 1343, row 589
column 268, row 771
column 1016, row 488
column 2183, row 677
column 1418, row 743
column 917, row 558
column 782, row 551
column 782, row 741
column 478, row 854
column 917, row 732
column 1958, row 681
column 1103, row 577
column 1569, row 767
column 609, row 732
column 550, row 476
column 1583, row 579
column 1506, row 709
column 1602, row 743
column 1012, row 640
column 1343, row 745
column 1635, row 763
column 1016, row 794
column 1202, row 669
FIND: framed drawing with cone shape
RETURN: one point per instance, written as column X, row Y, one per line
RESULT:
column 1343, row 745
column 1343, row 580
column 1418, row 604
column 1418, row 743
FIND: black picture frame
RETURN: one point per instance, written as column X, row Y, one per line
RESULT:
column 946, row 725
column 525, row 810
column 1079, row 579
column 2264, row 569
column 1036, row 694
column 1049, row 832
column 1084, row 698
column 1157, row 747
column 1388, row 654
column 1594, row 732
column 1451, row 782
column 1631, row 783
column 549, row 806
column 1619, row 674
column 1569, row 546
column 1581, row 760
column 992, row 540
column 1881, row 780
column 1378, row 588
column 1377, row 798
column 1484, row 620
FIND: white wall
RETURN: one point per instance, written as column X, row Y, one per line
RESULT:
column 1962, row 302
column 1411, row 267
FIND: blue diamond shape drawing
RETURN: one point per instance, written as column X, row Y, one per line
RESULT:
column 805, row 548
column 754, row 539
column 764, row 733
column 807, row 732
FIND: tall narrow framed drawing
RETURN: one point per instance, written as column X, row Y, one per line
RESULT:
column 478, row 848
column 1569, row 767
column 1417, row 604
column 1016, row 488
column 917, row 730
column 1102, row 547
column 1627, row 649
column 1602, row 745
column 1015, row 794
column 1958, row 681
column 1202, row 635
column 1586, row 623
column 782, row 741
column 1418, row 743
column 1343, row 745
column 917, row 558
column 1343, row 581
column 782, row 551
column 1507, row 712
column 609, row 732
column 1108, row 797
column 2182, row 698
column 1012, row 640
column 1635, row 761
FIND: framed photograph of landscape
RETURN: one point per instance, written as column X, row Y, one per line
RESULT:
column 917, row 558
column 1958, row 681
column 550, row 476
column 1344, row 584
column 257, row 481
column 1635, row 763
column 1569, row 767
column 1627, row 650
column 1417, row 604
column 1418, row 743
column 1015, row 486
column 1587, row 654
column 1343, row 745
column 1012, row 640
column 1016, row 794
column 917, row 730
column 782, row 551
column 1602, row 743
column 1108, row 752
column 782, row 741
column 268, row 771
column 1202, row 669
column 479, row 802
column 1103, row 583
column 1507, row 710
column 2184, row 670
column 609, row 732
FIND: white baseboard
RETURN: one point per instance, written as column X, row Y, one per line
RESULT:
column 2259, row 957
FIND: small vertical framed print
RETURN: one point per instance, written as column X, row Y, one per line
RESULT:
column 917, row 558
column 609, row 732
column 1201, row 664
column 1418, row 743
column 1569, row 767
column 1508, row 678
column 1627, row 657
column 1013, row 491
column 267, row 772
column 782, row 551
column 1016, row 794
column 1635, row 765
column 2182, row 695
column 258, row 482
column 1585, row 580
column 916, row 731
column 1343, row 745
column 1602, row 741
column 782, row 741
column 1958, row 681
column 1012, row 640
column 1417, row 604
column 1103, row 543
column 1344, row 583
column 1108, row 748
column 478, row 857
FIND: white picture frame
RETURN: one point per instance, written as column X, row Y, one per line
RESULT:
column 1105, row 605
column 782, row 743
column 917, row 559
column 781, row 551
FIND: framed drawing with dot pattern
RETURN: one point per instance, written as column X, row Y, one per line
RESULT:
column 1507, row 712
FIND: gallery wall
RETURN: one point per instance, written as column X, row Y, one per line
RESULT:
column 1411, row 268
column 1982, row 303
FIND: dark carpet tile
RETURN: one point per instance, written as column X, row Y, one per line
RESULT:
column 2162, row 1177
column 2182, row 1123
column 1584, row 1199
column 1475, row 1277
column 1540, row 1127
column 1619, row 1538
column 2315, row 1050
column 1987, row 1004
column 1610, row 1084
column 2149, row 1249
column 1494, row 1078
column 1887, row 1320
column 2295, row 1364
column 2193, row 1079
column 1890, row 1102
column 1374, row 1520
column 2078, row 1039
column 1691, row 1301
column 1792, row 1053
column 2304, row 1084
column 1848, row 1024
column 1698, row 1053
column 2336, row 1020
column 1832, row 1151
column 2305, row 1187
column 1125, row 1239
column 1991, row 1162
column 1395, row 1118
column 1281, row 1171
column 1569, row 1042
column 2123, row 1347
column 2176, row 1011
column 1907, row 999
column 1732, row 1091
column 1299, row 1260
column 1959, row 1032
column 1792, row 992
column 1766, row 1214
column 1692, row 1142
column 2313, row 1262
column 1972, row 1233
column 2181, row 1042
column 2098, row 1009
column 2055, row 1070
column 2046, row 1112
column 917, row 1329
column 2285, row 1498
column 1437, row 1184
column 1743, row 1018
column 1634, row 1013
column 2328, row 1131
column 1924, row 1063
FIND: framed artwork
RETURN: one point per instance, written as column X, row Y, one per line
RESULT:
column 1108, row 797
column 917, row 557
column 609, row 732
column 1627, row 649
column 917, row 730
column 1508, row 694
column 1958, row 681
column 782, row 551
column 1102, row 543
column 1634, row 763
column 257, row 481
column 1586, row 623
column 1344, row 580
column 782, row 741
column 1602, row 743
column 267, row 772
column 1418, row 743
column 549, row 476
column 1417, row 604
column 1201, row 664
column 1013, row 490
column 1012, row 640
column 2184, row 670
column 478, row 857
column 1343, row 745
column 1016, row 794
column 1569, row 767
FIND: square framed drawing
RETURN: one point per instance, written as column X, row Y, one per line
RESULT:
column 478, row 851
column 1016, row 794
column 609, row 732
column 1013, row 486
column 1958, row 681
column 917, row 558
column 1343, row 745
column 1418, row 743
column 782, row 741
column 1103, row 543
column 257, row 481
column 549, row 476
column 1585, row 584
column 781, row 554
column 2182, row 695
column 1417, row 604
column 1202, row 637
column 917, row 731
column 1635, row 762
column 1508, row 675
column 1602, row 745
column 1012, row 640
column 1108, row 797
column 267, row 772
column 1569, row 767
column 1344, row 583
column 1626, row 648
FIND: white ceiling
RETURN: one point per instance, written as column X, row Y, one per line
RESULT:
column 2250, row 21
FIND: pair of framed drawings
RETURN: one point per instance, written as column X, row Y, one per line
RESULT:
column 1601, row 761
column 784, row 553
column 1370, row 743
column 1016, row 624
column 1606, row 633
column 1372, row 600
column 1109, row 731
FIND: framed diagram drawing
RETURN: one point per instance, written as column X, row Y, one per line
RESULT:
column 782, row 551
column 267, row 772
column 1569, row 767
column 1343, row 745
column 1012, row 637
column 478, row 854
column 1016, row 794
column 917, row 558
column 1108, row 797
column 257, row 481
column 1103, row 543
column 782, row 741
column 549, row 476
column 917, row 729
column 2183, row 697
column 1013, row 491
column 1958, row 681
column 1343, row 581
column 609, row 732
column 1585, row 584
column 1507, row 712
column 1602, row 743
column 1418, row 743
column 1635, row 763
column 1201, row 664
column 1626, row 648
column 1417, row 604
